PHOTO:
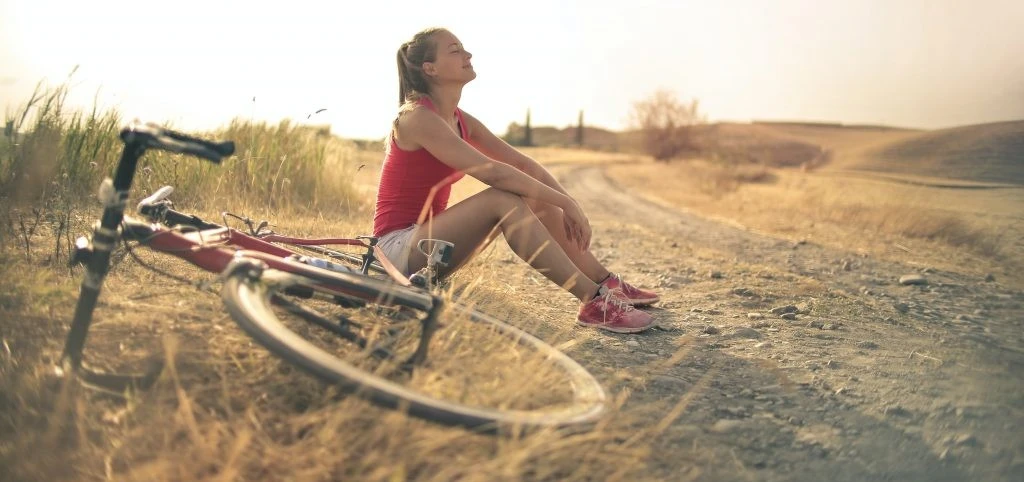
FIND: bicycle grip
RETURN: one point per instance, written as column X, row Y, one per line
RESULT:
column 224, row 148
column 153, row 136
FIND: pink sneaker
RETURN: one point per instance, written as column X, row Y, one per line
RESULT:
column 636, row 296
column 611, row 311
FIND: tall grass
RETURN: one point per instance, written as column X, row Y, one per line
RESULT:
column 903, row 218
column 53, row 155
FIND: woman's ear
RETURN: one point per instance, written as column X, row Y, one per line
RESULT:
column 429, row 68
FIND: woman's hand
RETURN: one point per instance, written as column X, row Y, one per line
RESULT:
column 577, row 226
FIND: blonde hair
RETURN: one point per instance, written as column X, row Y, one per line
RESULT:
column 412, row 83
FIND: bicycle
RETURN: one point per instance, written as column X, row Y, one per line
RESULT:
column 367, row 335
column 157, row 208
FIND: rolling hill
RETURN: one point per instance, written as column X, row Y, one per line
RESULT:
column 990, row 153
column 985, row 152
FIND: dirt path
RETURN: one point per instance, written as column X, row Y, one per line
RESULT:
column 869, row 379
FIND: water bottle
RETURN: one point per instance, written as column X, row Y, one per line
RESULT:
column 324, row 264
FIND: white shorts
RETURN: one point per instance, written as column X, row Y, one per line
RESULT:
column 396, row 247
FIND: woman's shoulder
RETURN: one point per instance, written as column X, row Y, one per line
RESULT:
column 413, row 114
column 413, row 118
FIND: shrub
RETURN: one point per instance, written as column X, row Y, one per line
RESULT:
column 666, row 124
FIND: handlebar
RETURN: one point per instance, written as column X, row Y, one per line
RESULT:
column 157, row 208
column 153, row 136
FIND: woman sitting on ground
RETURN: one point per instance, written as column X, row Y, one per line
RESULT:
column 433, row 144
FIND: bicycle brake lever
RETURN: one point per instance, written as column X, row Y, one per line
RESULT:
column 160, row 195
column 245, row 220
column 259, row 229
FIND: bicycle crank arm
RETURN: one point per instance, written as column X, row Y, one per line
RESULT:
column 430, row 325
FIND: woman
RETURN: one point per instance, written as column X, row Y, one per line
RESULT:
column 433, row 144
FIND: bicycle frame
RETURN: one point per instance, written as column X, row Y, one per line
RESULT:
column 157, row 208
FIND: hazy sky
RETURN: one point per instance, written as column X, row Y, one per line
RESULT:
column 197, row 64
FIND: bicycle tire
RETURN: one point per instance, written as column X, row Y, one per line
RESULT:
column 248, row 294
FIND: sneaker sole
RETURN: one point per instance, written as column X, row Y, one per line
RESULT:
column 614, row 329
column 647, row 302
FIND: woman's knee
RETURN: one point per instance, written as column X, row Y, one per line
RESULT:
column 543, row 210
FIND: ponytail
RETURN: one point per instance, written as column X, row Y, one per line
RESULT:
column 412, row 84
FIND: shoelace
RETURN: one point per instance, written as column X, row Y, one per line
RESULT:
column 610, row 298
column 625, row 286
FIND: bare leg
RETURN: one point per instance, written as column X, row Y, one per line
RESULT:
column 471, row 223
column 552, row 219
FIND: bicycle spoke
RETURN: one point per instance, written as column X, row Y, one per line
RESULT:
column 341, row 328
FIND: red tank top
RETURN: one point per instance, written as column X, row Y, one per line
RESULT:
column 406, row 180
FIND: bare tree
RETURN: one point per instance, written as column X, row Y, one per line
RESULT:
column 527, row 131
column 579, row 130
column 666, row 124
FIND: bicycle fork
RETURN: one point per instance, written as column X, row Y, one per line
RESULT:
column 94, row 253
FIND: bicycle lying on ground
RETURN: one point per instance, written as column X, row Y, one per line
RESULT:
column 368, row 335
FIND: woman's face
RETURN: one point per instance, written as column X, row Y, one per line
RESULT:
column 451, row 62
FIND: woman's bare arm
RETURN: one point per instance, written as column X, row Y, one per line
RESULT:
column 493, row 146
column 423, row 128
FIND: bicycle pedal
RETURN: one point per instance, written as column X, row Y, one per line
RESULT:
column 418, row 280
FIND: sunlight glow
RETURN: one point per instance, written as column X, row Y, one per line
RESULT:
column 198, row 64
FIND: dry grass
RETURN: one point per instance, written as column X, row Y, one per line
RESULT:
column 716, row 179
column 225, row 409
column 903, row 215
column 941, row 225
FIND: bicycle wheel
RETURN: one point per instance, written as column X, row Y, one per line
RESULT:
column 478, row 372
